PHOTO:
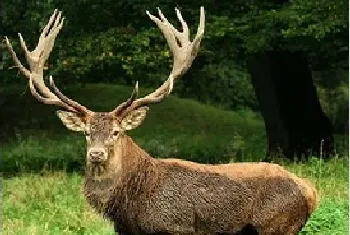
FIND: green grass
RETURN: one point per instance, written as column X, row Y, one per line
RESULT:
column 331, row 181
column 52, row 202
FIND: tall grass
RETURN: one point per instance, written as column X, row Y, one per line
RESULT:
column 331, row 181
column 48, row 203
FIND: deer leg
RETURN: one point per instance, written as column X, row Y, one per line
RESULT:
column 296, row 228
column 249, row 229
column 116, row 230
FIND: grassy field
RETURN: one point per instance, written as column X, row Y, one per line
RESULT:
column 52, row 202
column 42, row 162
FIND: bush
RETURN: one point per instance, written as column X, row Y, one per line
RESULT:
column 333, row 92
column 221, row 84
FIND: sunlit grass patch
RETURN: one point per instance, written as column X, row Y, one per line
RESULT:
column 51, row 203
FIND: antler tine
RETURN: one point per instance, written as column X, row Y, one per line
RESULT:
column 123, row 106
column 200, row 31
column 186, row 32
column 184, row 52
column 71, row 103
column 15, row 59
column 36, row 60
column 48, row 100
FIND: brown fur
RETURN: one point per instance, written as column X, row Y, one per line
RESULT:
column 143, row 195
column 257, row 170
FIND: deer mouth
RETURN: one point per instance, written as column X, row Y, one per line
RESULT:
column 97, row 169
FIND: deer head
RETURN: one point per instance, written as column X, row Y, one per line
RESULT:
column 102, row 129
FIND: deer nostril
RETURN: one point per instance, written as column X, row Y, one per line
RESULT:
column 96, row 156
column 96, row 153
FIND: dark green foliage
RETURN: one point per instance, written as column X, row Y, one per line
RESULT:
column 333, row 92
column 108, row 41
column 222, row 84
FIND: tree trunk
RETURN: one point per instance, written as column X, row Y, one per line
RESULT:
column 295, row 124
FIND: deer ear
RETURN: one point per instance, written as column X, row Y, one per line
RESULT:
column 133, row 119
column 72, row 121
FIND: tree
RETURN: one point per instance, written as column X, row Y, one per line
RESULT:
column 294, row 120
column 282, row 78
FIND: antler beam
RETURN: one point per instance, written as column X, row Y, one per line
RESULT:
column 184, row 52
column 36, row 60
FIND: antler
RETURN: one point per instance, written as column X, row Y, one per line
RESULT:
column 184, row 52
column 36, row 60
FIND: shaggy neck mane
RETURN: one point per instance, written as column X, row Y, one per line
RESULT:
column 129, row 171
column 129, row 157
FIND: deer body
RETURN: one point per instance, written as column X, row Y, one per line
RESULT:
column 171, row 196
column 165, row 197
column 144, row 195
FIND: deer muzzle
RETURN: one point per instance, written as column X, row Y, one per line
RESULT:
column 97, row 155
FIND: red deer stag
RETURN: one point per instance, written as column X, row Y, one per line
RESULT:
column 144, row 195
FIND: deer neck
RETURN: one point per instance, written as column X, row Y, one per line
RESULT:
column 127, row 156
column 127, row 161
